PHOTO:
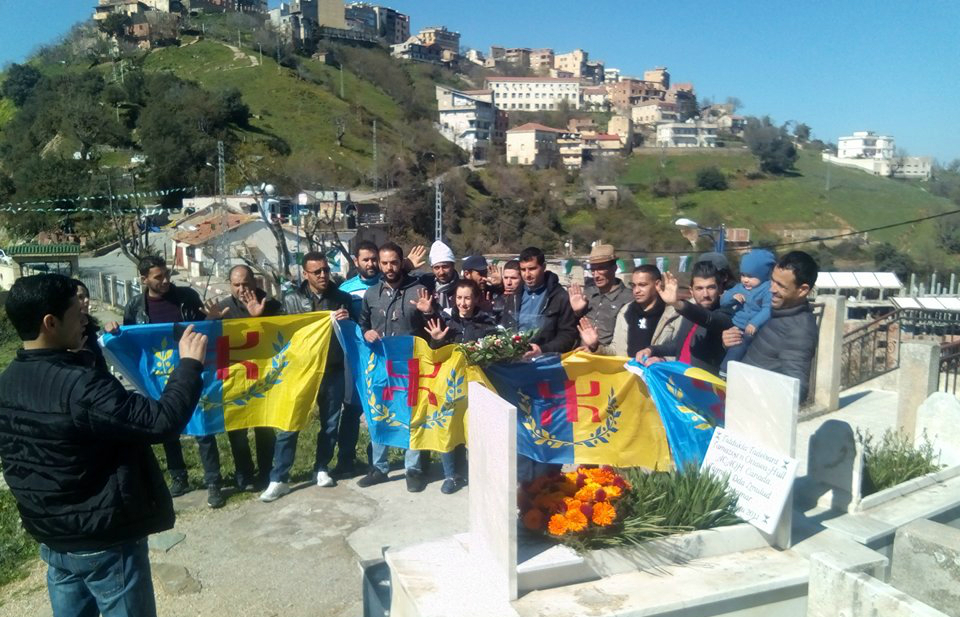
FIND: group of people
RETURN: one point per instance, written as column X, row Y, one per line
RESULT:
column 92, row 506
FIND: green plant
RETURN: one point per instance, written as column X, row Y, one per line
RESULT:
column 895, row 459
column 17, row 548
column 711, row 179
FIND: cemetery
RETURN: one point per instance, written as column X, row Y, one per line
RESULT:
column 813, row 542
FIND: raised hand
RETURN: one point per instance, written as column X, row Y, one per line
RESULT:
column 193, row 345
column 578, row 300
column 424, row 301
column 435, row 331
column 494, row 277
column 588, row 334
column 668, row 293
column 417, row 257
column 254, row 307
column 212, row 311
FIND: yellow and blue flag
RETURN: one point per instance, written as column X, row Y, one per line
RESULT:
column 413, row 396
column 582, row 409
column 691, row 403
column 258, row 371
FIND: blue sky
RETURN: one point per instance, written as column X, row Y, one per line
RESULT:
column 891, row 67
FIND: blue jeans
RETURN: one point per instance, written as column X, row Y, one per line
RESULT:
column 330, row 404
column 453, row 460
column 411, row 459
column 114, row 582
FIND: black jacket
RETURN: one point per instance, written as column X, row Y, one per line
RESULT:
column 706, row 347
column 466, row 329
column 185, row 297
column 558, row 330
column 303, row 300
column 75, row 447
column 786, row 344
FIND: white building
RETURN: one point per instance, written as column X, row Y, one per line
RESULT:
column 467, row 119
column 534, row 93
column 611, row 75
column 876, row 154
column 596, row 98
column 689, row 134
column 654, row 112
column 865, row 145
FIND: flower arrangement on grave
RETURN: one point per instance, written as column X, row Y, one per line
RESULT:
column 602, row 507
column 501, row 346
column 574, row 505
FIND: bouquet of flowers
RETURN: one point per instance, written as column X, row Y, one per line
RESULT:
column 502, row 346
column 575, row 506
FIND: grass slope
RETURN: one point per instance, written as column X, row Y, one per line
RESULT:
column 855, row 199
column 301, row 112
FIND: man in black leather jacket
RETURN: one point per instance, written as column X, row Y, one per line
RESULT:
column 75, row 447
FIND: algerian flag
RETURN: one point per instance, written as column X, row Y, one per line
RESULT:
column 639, row 261
column 661, row 263
column 621, row 266
column 568, row 266
column 684, row 261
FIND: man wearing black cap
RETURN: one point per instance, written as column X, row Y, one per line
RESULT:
column 476, row 269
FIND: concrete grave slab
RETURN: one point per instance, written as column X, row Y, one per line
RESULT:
column 926, row 564
column 937, row 419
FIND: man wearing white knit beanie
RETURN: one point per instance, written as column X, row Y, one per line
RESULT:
column 444, row 277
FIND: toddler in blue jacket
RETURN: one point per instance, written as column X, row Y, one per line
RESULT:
column 749, row 300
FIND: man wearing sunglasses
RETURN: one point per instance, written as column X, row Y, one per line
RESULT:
column 316, row 293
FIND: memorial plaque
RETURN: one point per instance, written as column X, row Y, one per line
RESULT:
column 761, row 478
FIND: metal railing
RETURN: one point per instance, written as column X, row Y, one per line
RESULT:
column 949, row 367
column 110, row 290
column 874, row 349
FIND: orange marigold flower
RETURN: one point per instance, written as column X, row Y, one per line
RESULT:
column 533, row 520
column 557, row 525
column 612, row 491
column 601, row 475
column 576, row 521
column 603, row 513
column 585, row 494
column 572, row 504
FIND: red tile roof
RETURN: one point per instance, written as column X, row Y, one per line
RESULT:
column 536, row 79
column 605, row 137
column 211, row 227
column 533, row 126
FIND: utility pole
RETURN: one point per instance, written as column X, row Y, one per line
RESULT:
column 341, row 81
column 260, row 47
column 238, row 38
column 221, row 174
column 376, row 172
column 438, row 213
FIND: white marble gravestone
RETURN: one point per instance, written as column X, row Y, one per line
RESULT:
column 762, row 406
column 492, row 427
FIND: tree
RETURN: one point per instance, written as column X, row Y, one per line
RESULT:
column 802, row 132
column 20, row 83
column 711, row 179
column 734, row 103
column 770, row 144
column 888, row 259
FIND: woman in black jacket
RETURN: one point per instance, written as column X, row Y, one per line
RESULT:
column 465, row 324
column 92, row 330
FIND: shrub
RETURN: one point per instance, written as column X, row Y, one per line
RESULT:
column 895, row 459
column 711, row 179
column 17, row 549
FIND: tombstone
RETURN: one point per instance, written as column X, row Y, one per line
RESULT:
column 762, row 407
column 937, row 421
column 492, row 426
column 835, row 464
column 926, row 564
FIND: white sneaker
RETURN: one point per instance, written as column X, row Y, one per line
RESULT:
column 324, row 479
column 274, row 491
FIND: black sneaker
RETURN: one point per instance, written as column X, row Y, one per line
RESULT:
column 215, row 498
column 374, row 476
column 452, row 485
column 341, row 472
column 415, row 482
column 178, row 486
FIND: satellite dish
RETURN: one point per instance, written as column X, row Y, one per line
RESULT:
column 269, row 189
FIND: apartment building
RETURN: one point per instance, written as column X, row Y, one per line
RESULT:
column 689, row 134
column 533, row 145
column 683, row 97
column 534, row 93
column 654, row 112
column 573, row 62
column 865, row 145
column 541, row 61
column 570, row 149
column 629, row 92
column 658, row 75
column 622, row 127
column 446, row 40
column 595, row 98
column 412, row 49
column 468, row 119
